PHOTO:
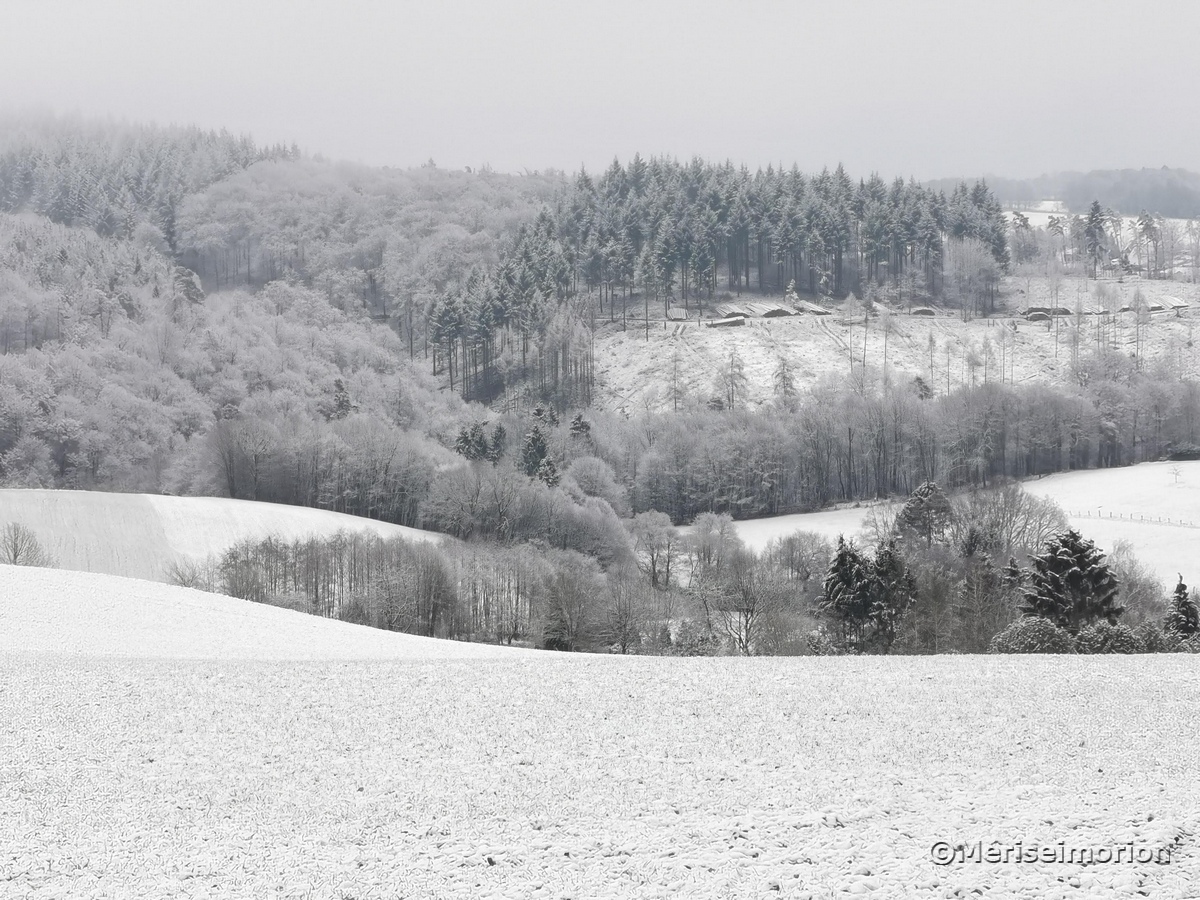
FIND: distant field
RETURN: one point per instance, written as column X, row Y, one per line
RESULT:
column 1153, row 506
column 128, row 769
column 57, row 613
column 140, row 535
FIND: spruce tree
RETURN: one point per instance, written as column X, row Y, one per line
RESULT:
column 533, row 451
column 846, row 600
column 1184, row 617
column 1071, row 585
column 497, row 445
column 865, row 599
column 892, row 591
column 926, row 513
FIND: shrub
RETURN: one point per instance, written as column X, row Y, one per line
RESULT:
column 1154, row 640
column 1191, row 645
column 1033, row 634
column 821, row 643
column 1105, row 638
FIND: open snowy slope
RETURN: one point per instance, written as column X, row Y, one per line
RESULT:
column 55, row 613
column 561, row 776
column 140, row 535
column 1153, row 506
column 635, row 370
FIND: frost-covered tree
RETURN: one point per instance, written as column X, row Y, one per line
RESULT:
column 926, row 513
column 1071, row 584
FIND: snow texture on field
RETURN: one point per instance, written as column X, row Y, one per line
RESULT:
column 587, row 777
column 140, row 535
column 52, row 612
column 1154, row 506
column 635, row 370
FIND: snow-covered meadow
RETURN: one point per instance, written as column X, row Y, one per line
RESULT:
column 141, row 535
column 1154, row 506
column 126, row 771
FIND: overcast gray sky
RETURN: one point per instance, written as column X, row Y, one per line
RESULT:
column 922, row 88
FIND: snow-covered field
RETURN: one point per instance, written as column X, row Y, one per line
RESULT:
column 548, row 775
column 636, row 373
column 1153, row 506
column 63, row 614
column 140, row 535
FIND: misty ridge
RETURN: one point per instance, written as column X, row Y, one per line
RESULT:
column 522, row 362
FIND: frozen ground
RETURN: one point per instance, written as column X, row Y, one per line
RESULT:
column 140, row 535
column 635, row 373
column 547, row 775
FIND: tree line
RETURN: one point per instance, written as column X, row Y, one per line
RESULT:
column 937, row 574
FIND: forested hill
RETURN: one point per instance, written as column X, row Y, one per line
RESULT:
column 1174, row 193
column 496, row 282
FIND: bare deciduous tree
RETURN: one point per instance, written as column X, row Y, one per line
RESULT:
column 19, row 546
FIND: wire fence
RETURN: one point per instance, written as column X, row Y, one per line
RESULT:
column 1100, row 513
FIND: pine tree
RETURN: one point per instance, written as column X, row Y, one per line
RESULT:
column 927, row 513
column 533, row 451
column 1071, row 584
column 1183, row 618
column 866, row 599
column 497, row 445
column 892, row 591
column 846, row 600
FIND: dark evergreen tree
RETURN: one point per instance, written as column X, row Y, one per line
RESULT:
column 846, row 600
column 1071, row 585
column 1095, row 234
column 533, row 451
column 472, row 443
column 497, row 445
column 892, row 591
column 866, row 599
column 926, row 514
column 1183, row 618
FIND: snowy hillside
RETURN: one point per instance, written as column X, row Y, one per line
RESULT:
column 1153, row 506
column 635, row 372
column 140, row 535
column 56, row 613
